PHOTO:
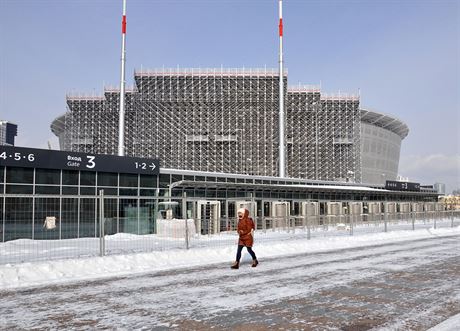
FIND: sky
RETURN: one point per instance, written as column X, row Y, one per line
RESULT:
column 402, row 56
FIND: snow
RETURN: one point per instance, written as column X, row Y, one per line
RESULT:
column 333, row 281
column 30, row 274
column 451, row 324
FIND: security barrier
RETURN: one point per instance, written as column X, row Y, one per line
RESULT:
column 55, row 227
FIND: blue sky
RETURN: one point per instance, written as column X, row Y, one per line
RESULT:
column 403, row 56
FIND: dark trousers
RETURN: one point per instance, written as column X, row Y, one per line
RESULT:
column 250, row 251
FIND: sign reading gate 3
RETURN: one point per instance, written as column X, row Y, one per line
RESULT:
column 12, row 156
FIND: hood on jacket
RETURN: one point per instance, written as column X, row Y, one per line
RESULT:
column 244, row 211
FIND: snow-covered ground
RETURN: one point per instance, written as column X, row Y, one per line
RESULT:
column 399, row 280
column 268, row 245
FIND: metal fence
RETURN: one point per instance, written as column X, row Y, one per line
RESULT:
column 57, row 227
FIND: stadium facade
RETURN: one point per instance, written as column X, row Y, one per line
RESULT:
column 226, row 121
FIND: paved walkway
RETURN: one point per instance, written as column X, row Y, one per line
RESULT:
column 405, row 286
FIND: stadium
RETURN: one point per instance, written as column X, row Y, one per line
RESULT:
column 203, row 143
column 226, row 121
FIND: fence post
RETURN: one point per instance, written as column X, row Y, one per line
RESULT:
column 308, row 225
column 414, row 213
column 385, row 216
column 452, row 218
column 184, row 216
column 434, row 219
column 101, row 224
column 351, row 216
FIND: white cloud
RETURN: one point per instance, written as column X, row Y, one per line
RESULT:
column 434, row 162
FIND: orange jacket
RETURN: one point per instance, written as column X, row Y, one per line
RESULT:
column 245, row 227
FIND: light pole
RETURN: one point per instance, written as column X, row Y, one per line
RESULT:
column 281, row 124
column 315, row 108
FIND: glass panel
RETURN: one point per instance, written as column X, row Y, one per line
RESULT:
column 128, row 216
column 70, row 190
column 87, row 190
column 108, row 190
column 176, row 178
column 111, row 216
column 147, row 216
column 164, row 181
column 18, row 218
column 87, row 218
column 69, row 177
column 163, row 192
column 47, row 190
column 128, row 191
column 46, row 208
column 148, row 181
column 128, row 180
column 2, row 174
column 177, row 192
column 107, row 179
column 69, row 221
column 19, row 189
column 200, row 193
column 20, row 175
column 47, row 176
column 87, row 178
column 1, row 219
column 148, row 192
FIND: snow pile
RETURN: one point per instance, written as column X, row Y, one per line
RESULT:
column 59, row 271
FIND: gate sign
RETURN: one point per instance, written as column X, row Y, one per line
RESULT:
column 12, row 156
column 401, row 186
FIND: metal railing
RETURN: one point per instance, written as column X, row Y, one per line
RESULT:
column 59, row 227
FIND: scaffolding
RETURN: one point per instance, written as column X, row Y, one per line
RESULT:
column 220, row 120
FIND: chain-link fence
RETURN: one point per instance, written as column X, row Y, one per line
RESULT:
column 54, row 227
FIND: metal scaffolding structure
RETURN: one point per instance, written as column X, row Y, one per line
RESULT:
column 220, row 120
